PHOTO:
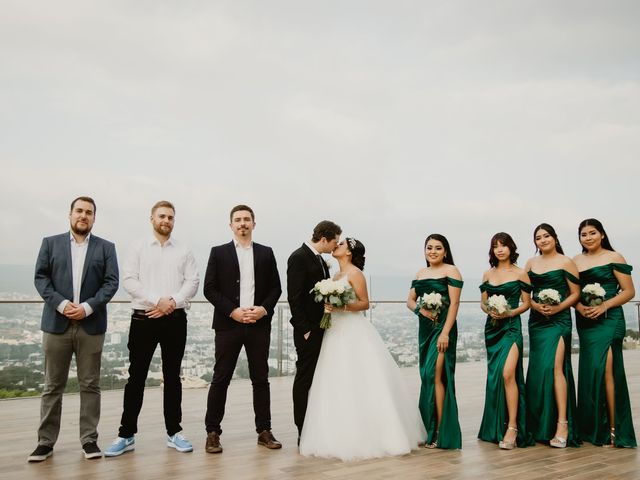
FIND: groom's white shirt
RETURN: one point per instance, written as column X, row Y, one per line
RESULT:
column 315, row 252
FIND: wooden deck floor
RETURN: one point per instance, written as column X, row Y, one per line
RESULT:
column 243, row 459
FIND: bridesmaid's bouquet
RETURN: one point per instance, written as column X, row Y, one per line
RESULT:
column 497, row 304
column 336, row 294
column 593, row 295
column 549, row 296
column 434, row 303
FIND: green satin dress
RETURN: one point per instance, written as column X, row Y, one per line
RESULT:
column 449, row 436
column 499, row 339
column 544, row 336
column 596, row 337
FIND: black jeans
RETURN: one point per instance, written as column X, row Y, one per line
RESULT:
column 145, row 334
column 256, row 340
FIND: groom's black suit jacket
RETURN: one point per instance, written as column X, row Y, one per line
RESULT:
column 222, row 284
column 303, row 271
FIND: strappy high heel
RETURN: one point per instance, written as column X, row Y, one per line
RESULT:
column 612, row 436
column 509, row 445
column 559, row 442
column 434, row 442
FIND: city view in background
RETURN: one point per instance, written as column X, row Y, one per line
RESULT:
column 21, row 357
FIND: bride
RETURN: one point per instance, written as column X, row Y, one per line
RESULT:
column 359, row 406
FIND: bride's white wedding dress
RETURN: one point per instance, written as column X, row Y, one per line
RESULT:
column 359, row 406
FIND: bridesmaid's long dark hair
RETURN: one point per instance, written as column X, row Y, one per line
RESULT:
column 506, row 240
column 551, row 231
column 592, row 222
column 448, row 256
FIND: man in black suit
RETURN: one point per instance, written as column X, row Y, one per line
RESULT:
column 76, row 276
column 304, row 268
column 243, row 284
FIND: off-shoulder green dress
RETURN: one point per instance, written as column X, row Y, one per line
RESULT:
column 596, row 337
column 499, row 337
column 544, row 335
column 449, row 436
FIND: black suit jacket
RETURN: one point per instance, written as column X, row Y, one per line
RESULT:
column 303, row 272
column 54, row 281
column 222, row 284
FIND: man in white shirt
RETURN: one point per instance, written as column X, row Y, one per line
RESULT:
column 243, row 284
column 76, row 274
column 161, row 276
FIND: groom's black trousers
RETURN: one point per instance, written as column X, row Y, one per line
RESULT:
column 308, row 352
column 228, row 343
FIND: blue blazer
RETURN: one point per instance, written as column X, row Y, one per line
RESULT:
column 54, row 281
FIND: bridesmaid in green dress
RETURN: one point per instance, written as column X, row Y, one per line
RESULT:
column 504, row 418
column 551, row 397
column 604, row 411
column 437, row 337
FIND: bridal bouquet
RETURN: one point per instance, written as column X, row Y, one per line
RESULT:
column 334, row 293
column 549, row 296
column 593, row 294
column 433, row 302
column 497, row 304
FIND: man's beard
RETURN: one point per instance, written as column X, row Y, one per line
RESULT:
column 80, row 230
column 166, row 232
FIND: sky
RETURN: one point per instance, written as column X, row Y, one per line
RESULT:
column 393, row 119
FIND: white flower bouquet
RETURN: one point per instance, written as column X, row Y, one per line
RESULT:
column 497, row 304
column 593, row 294
column 549, row 296
column 434, row 303
column 336, row 294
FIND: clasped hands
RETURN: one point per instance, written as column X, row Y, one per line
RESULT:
column 591, row 312
column 74, row 311
column 548, row 310
column 248, row 314
column 165, row 306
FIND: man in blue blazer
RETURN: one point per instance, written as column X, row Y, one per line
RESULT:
column 243, row 284
column 76, row 275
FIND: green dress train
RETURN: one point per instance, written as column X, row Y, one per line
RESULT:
column 544, row 336
column 596, row 337
column 499, row 339
column 449, row 436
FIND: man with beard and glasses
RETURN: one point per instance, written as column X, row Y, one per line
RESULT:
column 161, row 276
column 76, row 275
column 243, row 284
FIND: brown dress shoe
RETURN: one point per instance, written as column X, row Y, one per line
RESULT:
column 213, row 443
column 266, row 439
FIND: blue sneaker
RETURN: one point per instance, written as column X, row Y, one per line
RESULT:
column 180, row 443
column 119, row 446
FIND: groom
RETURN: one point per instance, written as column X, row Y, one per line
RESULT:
column 304, row 268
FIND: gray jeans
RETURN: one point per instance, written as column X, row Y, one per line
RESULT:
column 58, row 350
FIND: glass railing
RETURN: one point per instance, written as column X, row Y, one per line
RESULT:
column 21, row 357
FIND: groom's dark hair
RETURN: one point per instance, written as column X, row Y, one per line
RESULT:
column 326, row 229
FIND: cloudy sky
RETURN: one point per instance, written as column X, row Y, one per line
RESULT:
column 394, row 119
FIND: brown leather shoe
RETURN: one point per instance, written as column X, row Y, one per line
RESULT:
column 213, row 443
column 266, row 439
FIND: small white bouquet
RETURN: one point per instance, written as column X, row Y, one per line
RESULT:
column 497, row 304
column 549, row 296
column 593, row 294
column 337, row 294
column 433, row 302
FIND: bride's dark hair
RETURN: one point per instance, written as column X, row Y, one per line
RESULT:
column 357, row 252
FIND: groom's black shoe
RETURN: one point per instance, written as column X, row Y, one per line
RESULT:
column 266, row 439
column 213, row 443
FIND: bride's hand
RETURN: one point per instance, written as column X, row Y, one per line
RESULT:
column 328, row 308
